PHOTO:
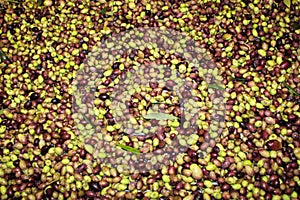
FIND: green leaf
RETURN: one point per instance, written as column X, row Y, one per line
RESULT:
column 103, row 11
column 160, row 116
column 12, row 1
column 215, row 86
column 3, row 56
column 287, row 3
column 129, row 148
column 40, row 2
column 88, row 120
column 157, row 102
column 296, row 26
column 292, row 90
column 243, row 80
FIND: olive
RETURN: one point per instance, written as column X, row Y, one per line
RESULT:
column 55, row 100
column 34, row 96
column 35, row 29
column 95, row 186
column 103, row 96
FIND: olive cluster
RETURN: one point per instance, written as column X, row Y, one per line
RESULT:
column 254, row 47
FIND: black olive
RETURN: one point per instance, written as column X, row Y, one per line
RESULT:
column 131, row 56
column 103, row 39
column 231, row 129
column 39, row 36
column 34, row 96
column 286, row 35
column 259, row 28
column 12, row 176
column 10, row 146
column 111, row 121
column 257, row 178
column 55, row 100
column 240, row 174
column 16, row 162
column 139, row 195
column 161, row 16
column 10, row 192
column 35, row 29
column 33, row 76
column 103, row 96
column 148, row 12
column 93, row 89
column 116, row 65
column 12, row 31
column 163, row 198
column 45, row 149
column 248, row 16
column 49, row 191
column 36, row 141
column 297, row 188
column 27, row 104
column 278, row 42
column 95, row 186
column 9, row 27
column 113, row 76
column 39, row 67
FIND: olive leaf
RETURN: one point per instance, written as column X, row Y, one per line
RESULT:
column 215, row 86
column 103, row 11
column 287, row 3
column 129, row 148
column 2, row 56
column 296, row 25
column 243, row 80
column 157, row 102
column 292, row 90
column 160, row 116
column 40, row 2
column 12, row 1
column 88, row 120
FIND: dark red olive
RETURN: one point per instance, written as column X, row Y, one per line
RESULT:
column 274, row 145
